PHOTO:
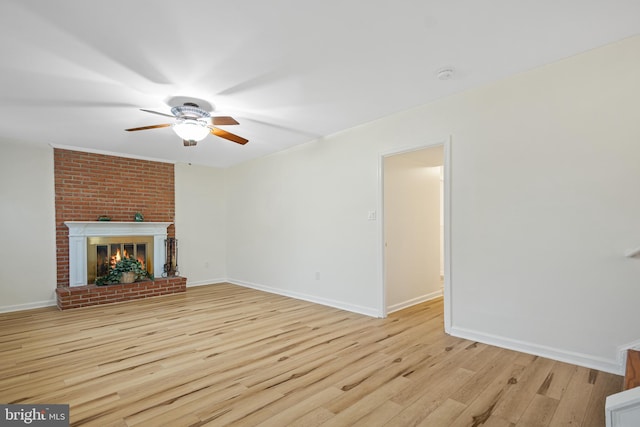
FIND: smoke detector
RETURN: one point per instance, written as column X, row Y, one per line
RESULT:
column 445, row 73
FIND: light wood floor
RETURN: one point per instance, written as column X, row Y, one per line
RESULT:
column 225, row 355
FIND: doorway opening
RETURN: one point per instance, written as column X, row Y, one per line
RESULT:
column 415, row 227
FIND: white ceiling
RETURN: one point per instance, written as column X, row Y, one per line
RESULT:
column 76, row 72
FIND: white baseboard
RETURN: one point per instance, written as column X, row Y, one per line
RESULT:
column 414, row 301
column 191, row 284
column 580, row 359
column 311, row 298
column 28, row 306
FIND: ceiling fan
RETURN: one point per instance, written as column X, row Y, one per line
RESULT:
column 193, row 124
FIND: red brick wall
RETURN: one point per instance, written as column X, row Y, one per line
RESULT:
column 88, row 185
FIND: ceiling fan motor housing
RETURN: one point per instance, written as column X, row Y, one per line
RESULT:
column 190, row 111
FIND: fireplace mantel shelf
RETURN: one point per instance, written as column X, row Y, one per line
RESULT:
column 80, row 230
column 115, row 228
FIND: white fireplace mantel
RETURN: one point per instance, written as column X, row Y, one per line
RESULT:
column 80, row 230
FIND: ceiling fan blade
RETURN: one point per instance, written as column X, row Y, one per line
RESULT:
column 160, row 114
column 224, row 121
column 228, row 135
column 164, row 125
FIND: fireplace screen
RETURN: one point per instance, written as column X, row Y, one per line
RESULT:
column 104, row 252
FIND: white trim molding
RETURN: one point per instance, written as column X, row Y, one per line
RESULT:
column 623, row 409
column 28, row 306
column 574, row 358
column 367, row 311
column 445, row 142
column 205, row 282
column 110, row 153
column 414, row 301
column 448, row 254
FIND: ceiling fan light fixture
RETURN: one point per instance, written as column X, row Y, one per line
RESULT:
column 193, row 124
column 191, row 130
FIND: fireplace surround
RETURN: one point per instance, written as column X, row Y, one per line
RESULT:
column 92, row 185
column 152, row 235
column 80, row 232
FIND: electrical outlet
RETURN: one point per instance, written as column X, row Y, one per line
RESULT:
column 371, row 216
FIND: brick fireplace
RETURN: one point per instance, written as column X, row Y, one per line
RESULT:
column 89, row 186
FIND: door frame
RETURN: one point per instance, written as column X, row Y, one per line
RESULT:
column 446, row 173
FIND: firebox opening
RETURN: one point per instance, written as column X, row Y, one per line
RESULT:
column 104, row 252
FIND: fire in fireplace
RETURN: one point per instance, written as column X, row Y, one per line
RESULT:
column 104, row 252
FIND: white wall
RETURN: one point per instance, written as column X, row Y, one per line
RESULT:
column 544, row 171
column 411, row 231
column 27, row 226
column 297, row 224
column 545, row 167
column 200, row 224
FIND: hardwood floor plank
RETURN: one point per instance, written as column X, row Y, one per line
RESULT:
column 494, row 421
column 236, row 409
column 367, row 404
column 371, row 377
column 482, row 408
column 539, row 412
column 485, row 354
column 517, row 398
column 481, row 379
column 223, row 355
column 604, row 385
column 574, row 400
column 313, row 419
column 298, row 410
column 444, row 414
column 429, row 399
column 557, row 380
column 380, row 415
column 443, row 363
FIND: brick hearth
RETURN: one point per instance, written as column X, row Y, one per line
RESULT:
column 85, row 296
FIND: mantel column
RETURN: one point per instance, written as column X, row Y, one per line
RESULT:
column 77, row 252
